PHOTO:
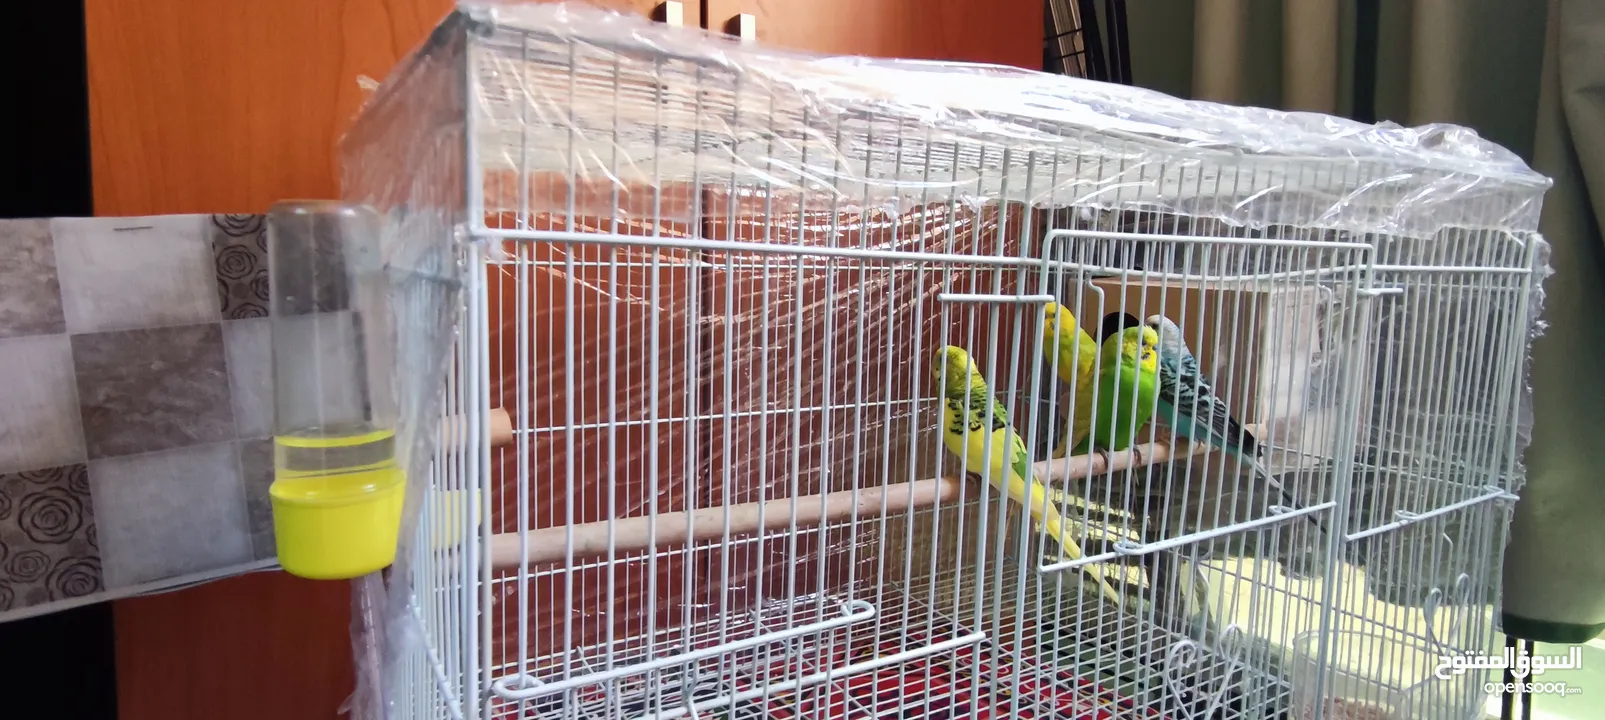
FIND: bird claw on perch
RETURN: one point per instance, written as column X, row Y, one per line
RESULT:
column 1108, row 462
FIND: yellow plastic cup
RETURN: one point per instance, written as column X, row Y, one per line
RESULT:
column 446, row 511
column 336, row 525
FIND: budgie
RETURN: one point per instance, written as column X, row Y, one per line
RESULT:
column 992, row 449
column 1189, row 406
column 1197, row 600
column 1128, row 385
column 1075, row 354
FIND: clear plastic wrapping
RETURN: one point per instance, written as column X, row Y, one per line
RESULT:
column 697, row 359
column 405, row 160
column 641, row 104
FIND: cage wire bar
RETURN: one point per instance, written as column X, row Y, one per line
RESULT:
column 710, row 284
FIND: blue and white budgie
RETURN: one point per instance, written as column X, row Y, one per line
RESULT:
column 1189, row 406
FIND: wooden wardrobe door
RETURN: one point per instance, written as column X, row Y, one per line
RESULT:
column 1006, row 32
column 202, row 106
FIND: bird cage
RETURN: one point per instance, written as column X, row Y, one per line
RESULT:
column 707, row 452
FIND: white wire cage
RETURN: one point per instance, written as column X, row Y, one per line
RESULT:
column 707, row 284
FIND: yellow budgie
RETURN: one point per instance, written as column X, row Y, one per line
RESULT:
column 995, row 451
column 1075, row 354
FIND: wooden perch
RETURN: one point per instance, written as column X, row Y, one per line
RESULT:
column 1077, row 467
column 634, row 534
column 501, row 429
column 639, row 533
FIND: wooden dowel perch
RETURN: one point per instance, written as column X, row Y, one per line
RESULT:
column 501, row 429
column 640, row 533
column 1077, row 467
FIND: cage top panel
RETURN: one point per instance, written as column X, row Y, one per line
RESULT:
column 608, row 98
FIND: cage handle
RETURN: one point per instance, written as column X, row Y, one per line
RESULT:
column 1404, row 518
column 523, row 687
column 1039, row 299
column 1127, row 548
column 826, row 675
column 1376, row 292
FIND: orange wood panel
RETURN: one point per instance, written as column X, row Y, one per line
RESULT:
column 1007, row 32
column 265, row 645
column 227, row 106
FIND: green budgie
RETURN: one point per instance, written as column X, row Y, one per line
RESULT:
column 1128, row 385
column 975, row 428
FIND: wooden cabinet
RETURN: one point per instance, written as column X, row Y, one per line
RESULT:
column 201, row 106
column 229, row 105
column 1006, row 32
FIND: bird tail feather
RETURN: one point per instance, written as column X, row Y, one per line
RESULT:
column 1054, row 525
column 1288, row 500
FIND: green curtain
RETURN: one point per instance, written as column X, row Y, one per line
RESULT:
column 1476, row 63
column 1471, row 62
column 1554, row 579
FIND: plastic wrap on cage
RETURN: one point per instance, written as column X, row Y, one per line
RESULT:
column 641, row 104
column 415, row 186
column 712, row 278
column 1536, row 327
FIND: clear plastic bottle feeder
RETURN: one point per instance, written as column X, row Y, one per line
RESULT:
column 337, row 488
